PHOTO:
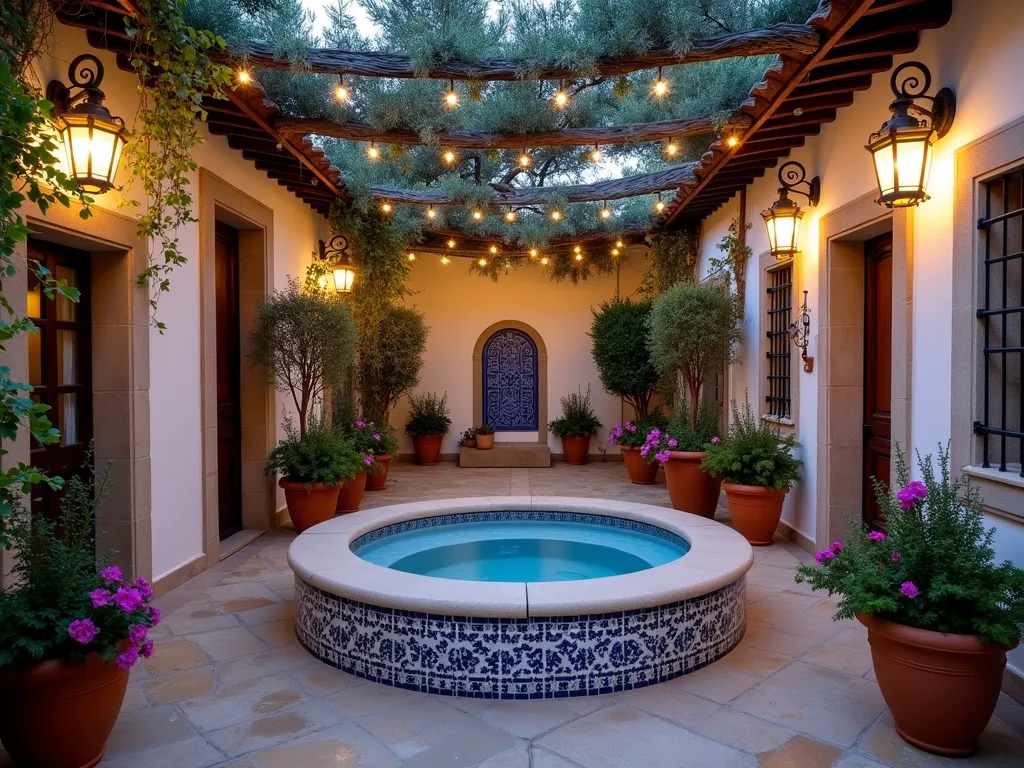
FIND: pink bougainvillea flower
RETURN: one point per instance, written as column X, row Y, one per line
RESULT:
column 146, row 649
column 137, row 633
column 895, row 557
column 824, row 556
column 127, row 659
column 144, row 588
column 154, row 615
column 909, row 589
column 915, row 490
column 876, row 536
column 83, row 630
column 99, row 597
column 716, row 439
column 110, row 574
column 128, row 599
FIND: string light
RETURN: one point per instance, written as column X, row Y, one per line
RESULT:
column 606, row 212
column 732, row 141
column 659, row 206
column 618, row 244
column 449, row 156
column 545, row 261
column 525, row 161
column 482, row 262
column 478, row 215
column 372, row 152
column 671, row 148
column 451, row 99
column 494, row 249
column 533, row 253
column 451, row 243
column 561, row 98
column 386, row 207
column 615, row 251
column 243, row 76
column 596, row 155
column 431, row 213
column 510, row 216
column 341, row 91
column 556, row 215
column 660, row 86
column 577, row 249
column 445, row 260
column 579, row 257
column 412, row 257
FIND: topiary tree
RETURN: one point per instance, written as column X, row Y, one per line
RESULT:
column 390, row 359
column 623, row 360
column 307, row 339
column 693, row 328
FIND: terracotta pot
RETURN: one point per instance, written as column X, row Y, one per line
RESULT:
column 576, row 449
column 485, row 442
column 690, row 488
column 58, row 714
column 639, row 471
column 755, row 510
column 309, row 507
column 428, row 448
column 350, row 495
column 941, row 689
column 469, row 443
column 377, row 481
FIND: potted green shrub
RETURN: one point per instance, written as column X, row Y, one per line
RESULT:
column 757, row 466
column 364, row 438
column 679, row 448
column 312, row 468
column 693, row 330
column 69, row 633
column 428, row 424
column 468, row 439
column 384, row 445
column 577, row 424
column 941, row 613
column 630, row 437
column 484, row 437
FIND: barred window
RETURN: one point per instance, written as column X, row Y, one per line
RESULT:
column 1000, row 423
column 779, row 373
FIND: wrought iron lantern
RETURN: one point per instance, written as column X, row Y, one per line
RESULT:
column 800, row 333
column 92, row 138
column 902, row 148
column 334, row 255
column 783, row 218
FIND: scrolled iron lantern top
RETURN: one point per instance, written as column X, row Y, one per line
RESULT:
column 335, row 253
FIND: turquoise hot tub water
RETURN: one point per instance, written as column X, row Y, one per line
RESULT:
column 522, row 550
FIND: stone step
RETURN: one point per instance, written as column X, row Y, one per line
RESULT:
column 505, row 455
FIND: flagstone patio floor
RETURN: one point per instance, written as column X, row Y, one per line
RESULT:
column 229, row 686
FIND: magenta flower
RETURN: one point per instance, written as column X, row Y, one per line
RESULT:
column 825, row 555
column 655, row 434
column 631, row 426
column 137, row 633
column 360, row 424
column 146, row 650
column 915, row 490
column 645, row 449
column 376, row 435
column 368, row 459
column 83, row 630
column 716, row 439
column 99, row 597
column 876, row 536
column 110, row 574
column 672, row 442
column 128, row 599
column 127, row 659
column 144, row 588
column 895, row 557
column 908, row 589
column 837, row 546
column 663, row 456
column 154, row 615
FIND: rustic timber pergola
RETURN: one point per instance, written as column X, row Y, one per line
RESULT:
column 819, row 67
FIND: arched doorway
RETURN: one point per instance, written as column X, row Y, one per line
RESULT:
column 510, row 380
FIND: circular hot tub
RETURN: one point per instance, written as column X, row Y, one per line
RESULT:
column 519, row 598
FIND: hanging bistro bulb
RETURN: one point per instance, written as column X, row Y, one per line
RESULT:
column 902, row 148
column 341, row 91
column 242, row 76
column 478, row 215
column 525, row 161
column 386, row 207
column 411, row 256
column 372, row 152
column 510, row 216
column 660, row 86
column 445, row 260
column 451, row 98
column 659, row 205
column 482, row 262
column 606, row 212
column 494, row 249
column 533, row 253
column 451, row 243
column 448, row 156
column 595, row 154
column 561, row 98
column 431, row 213
column 783, row 218
column 335, row 256
column 671, row 148
column 577, row 249
column 545, row 261
column 556, row 215
column 92, row 138
column 615, row 251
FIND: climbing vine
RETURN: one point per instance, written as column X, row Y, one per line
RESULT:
column 732, row 264
column 671, row 259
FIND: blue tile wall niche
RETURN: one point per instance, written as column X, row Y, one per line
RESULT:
column 534, row 658
column 510, row 371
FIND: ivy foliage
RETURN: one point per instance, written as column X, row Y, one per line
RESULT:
column 617, row 335
column 672, row 258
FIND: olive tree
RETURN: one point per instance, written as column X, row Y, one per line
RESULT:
column 390, row 359
column 619, row 345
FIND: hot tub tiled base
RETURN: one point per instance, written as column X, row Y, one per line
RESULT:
column 531, row 658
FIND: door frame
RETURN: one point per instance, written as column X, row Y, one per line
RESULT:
column 228, row 236
column 840, row 458
column 871, row 299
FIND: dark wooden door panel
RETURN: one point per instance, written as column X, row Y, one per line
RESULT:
column 229, row 406
column 877, row 373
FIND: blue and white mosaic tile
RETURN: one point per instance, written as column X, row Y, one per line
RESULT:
column 539, row 657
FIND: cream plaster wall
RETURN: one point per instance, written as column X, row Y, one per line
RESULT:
column 459, row 306
column 175, row 427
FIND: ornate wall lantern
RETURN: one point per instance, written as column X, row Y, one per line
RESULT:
column 336, row 260
column 783, row 218
column 800, row 333
column 902, row 148
column 92, row 138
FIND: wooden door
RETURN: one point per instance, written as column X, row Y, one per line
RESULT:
column 877, row 373
column 60, row 370
column 229, row 406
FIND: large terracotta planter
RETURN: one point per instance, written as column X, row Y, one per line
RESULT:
column 307, row 508
column 639, row 471
column 58, row 714
column 428, row 449
column 350, row 495
column 941, row 689
column 575, row 449
column 689, row 487
column 755, row 510
column 485, row 442
column 377, row 481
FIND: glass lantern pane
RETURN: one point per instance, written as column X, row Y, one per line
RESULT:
column 343, row 279
column 885, row 168
column 79, row 149
column 910, row 163
column 102, row 152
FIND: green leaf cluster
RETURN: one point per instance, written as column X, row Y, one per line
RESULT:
column 618, row 343
column 428, row 415
column 578, row 418
column 940, row 545
column 756, row 452
column 321, row 455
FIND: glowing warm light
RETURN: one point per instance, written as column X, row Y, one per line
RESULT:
column 533, row 253
column 660, row 86
column 341, row 91
column 243, row 76
column 451, row 243
column 372, row 152
column 411, row 257
column 445, row 260
column 545, row 261
column 659, row 206
column 451, row 98
column 449, row 156
column 561, row 99
column 595, row 154
column 525, row 160
column 510, row 215
column 431, row 213
column 618, row 244
column 783, row 223
column 478, row 214
column 606, row 212
column 671, row 149
column 903, row 165
column 579, row 257
column 482, row 262
column 556, row 215
column 577, row 249
column 494, row 249
column 386, row 207
column 732, row 141
column 615, row 251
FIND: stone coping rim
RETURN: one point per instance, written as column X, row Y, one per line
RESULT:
column 322, row 556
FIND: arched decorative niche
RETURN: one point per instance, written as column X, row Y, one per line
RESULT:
column 510, row 379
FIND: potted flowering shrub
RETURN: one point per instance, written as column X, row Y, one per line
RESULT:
column 484, row 437
column 428, row 424
column 384, row 445
column 577, row 424
column 69, row 633
column 312, row 468
column 630, row 437
column 941, row 613
column 680, row 449
column 757, row 466
column 362, row 436
column 468, row 439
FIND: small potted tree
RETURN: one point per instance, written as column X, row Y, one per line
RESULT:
column 384, row 445
column 361, row 435
column 577, row 424
column 757, row 466
column 69, row 633
column 390, row 359
column 630, row 437
column 678, row 448
column 941, row 613
column 428, row 424
column 484, row 437
column 693, row 330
